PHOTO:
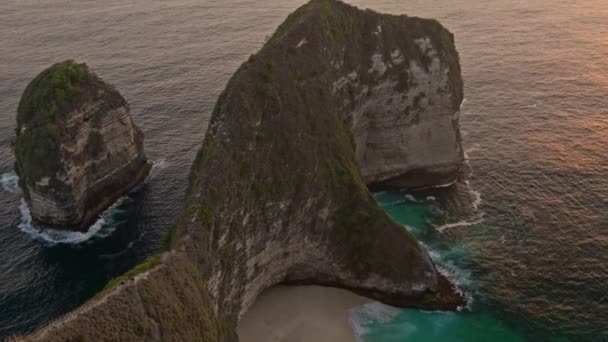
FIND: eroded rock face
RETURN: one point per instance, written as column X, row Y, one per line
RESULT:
column 77, row 148
column 338, row 98
column 399, row 84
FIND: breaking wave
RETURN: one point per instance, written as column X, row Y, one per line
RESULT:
column 10, row 182
column 102, row 228
column 361, row 317
column 105, row 225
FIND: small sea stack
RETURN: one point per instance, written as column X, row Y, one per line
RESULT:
column 77, row 148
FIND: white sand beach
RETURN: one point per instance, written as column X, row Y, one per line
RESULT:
column 300, row 314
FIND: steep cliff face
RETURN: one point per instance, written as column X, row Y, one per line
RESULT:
column 279, row 187
column 77, row 148
column 405, row 108
column 397, row 82
column 278, row 192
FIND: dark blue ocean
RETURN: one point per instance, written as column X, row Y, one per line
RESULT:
column 524, row 234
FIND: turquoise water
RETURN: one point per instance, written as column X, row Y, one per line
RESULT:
column 413, row 325
column 376, row 322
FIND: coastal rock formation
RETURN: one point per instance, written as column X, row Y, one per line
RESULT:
column 399, row 87
column 405, row 113
column 338, row 99
column 77, row 149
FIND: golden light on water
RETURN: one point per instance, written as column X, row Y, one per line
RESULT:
column 575, row 151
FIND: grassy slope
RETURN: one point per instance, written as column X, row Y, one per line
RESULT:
column 38, row 112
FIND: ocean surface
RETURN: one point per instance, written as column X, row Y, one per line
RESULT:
column 524, row 233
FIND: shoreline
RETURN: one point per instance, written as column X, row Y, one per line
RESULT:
column 286, row 313
column 301, row 312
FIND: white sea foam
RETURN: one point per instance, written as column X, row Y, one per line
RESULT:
column 159, row 165
column 446, row 185
column 476, row 195
column 475, row 221
column 363, row 317
column 445, row 264
column 103, row 227
column 410, row 198
column 157, row 168
column 407, row 198
column 10, row 182
column 360, row 317
column 460, row 279
column 470, row 150
column 478, row 216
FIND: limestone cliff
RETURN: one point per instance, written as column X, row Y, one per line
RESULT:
column 337, row 99
column 77, row 149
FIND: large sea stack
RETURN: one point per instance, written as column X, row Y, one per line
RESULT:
column 77, row 149
column 338, row 99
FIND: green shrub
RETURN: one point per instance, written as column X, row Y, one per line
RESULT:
column 146, row 265
column 49, row 91
column 37, row 130
column 171, row 239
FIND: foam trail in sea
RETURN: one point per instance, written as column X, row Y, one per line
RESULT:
column 475, row 221
column 477, row 218
column 410, row 198
column 470, row 150
column 446, row 185
column 157, row 167
column 362, row 316
column 406, row 198
column 476, row 195
column 10, row 182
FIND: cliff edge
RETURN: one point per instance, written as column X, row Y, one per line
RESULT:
column 77, row 149
column 338, row 99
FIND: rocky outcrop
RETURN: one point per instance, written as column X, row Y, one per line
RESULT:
column 77, row 149
column 405, row 112
column 336, row 100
